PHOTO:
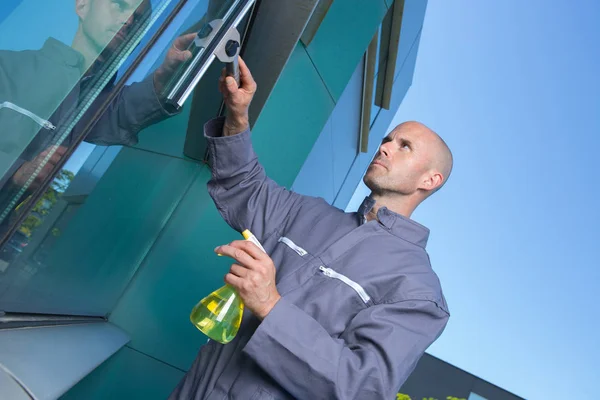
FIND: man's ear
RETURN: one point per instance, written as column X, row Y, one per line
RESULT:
column 82, row 8
column 432, row 181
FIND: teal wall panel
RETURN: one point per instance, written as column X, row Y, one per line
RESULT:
column 103, row 245
column 342, row 39
column 292, row 119
column 180, row 270
column 127, row 375
column 166, row 137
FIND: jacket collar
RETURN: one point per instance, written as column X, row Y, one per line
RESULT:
column 397, row 224
column 61, row 53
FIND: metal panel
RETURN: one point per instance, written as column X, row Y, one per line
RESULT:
column 346, row 127
column 128, row 375
column 272, row 40
column 342, row 39
column 32, row 356
column 18, row 320
column 367, row 96
column 391, row 31
column 315, row 21
column 166, row 137
column 180, row 269
column 292, row 119
column 98, row 252
column 384, row 46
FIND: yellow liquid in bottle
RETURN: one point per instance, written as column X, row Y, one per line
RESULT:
column 219, row 314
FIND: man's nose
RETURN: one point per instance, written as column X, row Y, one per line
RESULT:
column 383, row 150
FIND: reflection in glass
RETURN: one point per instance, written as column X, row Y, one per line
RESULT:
column 45, row 94
column 84, row 207
column 183, row 82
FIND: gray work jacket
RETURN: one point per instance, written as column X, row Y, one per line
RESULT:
column 360, row 303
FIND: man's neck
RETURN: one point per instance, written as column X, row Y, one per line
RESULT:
column 82, row 44
column 403, row 205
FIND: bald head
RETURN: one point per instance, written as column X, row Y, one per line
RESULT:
column 438, row 153
column 412, row 161
column 105, row 24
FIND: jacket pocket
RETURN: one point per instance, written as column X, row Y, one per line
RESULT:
column 299, row 250
column 354, row 285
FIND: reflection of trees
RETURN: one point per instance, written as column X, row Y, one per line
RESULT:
column 45, row 204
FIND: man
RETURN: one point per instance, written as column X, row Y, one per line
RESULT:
column 344, row 304
column 41, row 91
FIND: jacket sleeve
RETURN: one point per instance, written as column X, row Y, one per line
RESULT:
column 243, row 194
column 135, row 108
column 371, row 359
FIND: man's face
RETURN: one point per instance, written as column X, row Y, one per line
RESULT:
column 402, row 161
column 107, row 23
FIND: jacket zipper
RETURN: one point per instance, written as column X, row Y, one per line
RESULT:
column 40, row 121
column 357, row 288
column 301, row 252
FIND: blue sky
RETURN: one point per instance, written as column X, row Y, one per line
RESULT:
column 514, row 88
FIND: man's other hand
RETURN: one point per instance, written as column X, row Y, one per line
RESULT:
column 178, row 54
column 237, row 99
column 253, row 276
column 29, row 168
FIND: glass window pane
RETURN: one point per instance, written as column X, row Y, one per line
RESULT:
column 88, row 209
column 57, row 76
column 56, row 59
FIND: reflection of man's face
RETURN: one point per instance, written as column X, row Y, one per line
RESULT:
column 107, row 23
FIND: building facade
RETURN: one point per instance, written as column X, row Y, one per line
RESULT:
column 107, row 241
